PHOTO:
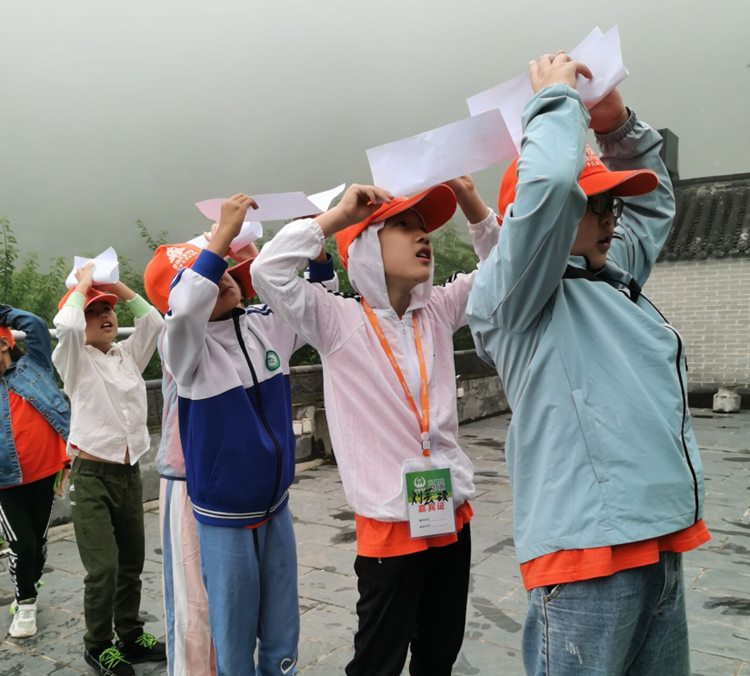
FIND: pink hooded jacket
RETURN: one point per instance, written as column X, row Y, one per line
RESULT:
column 375, row 434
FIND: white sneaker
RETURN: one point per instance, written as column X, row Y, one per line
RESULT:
column 24, row 621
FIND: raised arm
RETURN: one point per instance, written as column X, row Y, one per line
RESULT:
column 483, row 229
column 308, row 308
column 70, row 323
column 38, row 343
column 148, row 323
column 522, row 272
column 627, row 144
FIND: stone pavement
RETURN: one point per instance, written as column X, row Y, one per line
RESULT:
column 717, row 575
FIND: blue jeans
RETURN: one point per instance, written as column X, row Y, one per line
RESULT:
column 632, row 622
column 251, row 581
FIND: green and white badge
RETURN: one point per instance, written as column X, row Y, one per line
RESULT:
column 429, row 500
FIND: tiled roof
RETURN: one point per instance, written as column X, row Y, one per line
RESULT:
column 713, row 220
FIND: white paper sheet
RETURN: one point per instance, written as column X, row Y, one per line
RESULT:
column 106, row 268
column 416, row 163
column 276, row 206
column 251, row 230
column 601, row 52
column 323, row 200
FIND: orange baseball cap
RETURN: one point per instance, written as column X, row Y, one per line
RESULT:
column 6, row 333
column 169, row 259
column 595, row 179
column 435, row 205
column 92, row 296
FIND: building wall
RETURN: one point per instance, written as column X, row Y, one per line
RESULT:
column 708, row 301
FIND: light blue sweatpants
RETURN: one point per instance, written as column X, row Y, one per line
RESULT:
column 251, row 580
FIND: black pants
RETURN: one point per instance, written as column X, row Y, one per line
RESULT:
column 24, row 515
column 418, row 600
column 107, row 505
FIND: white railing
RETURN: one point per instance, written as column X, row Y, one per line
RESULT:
column 122, row 332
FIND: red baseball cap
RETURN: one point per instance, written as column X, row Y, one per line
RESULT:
column 435, row 205
column 6, row 333
column 169, row 259
column 92, row 296
column 595, row 179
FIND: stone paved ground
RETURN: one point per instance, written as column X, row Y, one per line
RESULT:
column 718, row 574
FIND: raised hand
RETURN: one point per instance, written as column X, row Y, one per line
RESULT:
column 468, row 198
column 85, row 277
column 557, row 68
column 357, row 203
column 233, row 213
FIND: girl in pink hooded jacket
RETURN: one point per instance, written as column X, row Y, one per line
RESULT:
column 390, row 398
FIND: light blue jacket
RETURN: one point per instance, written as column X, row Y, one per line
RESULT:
column 600, row 449
column 32, row 378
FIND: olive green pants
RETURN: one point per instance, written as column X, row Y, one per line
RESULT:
column 107, row 505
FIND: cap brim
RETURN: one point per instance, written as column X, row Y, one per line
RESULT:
column 436, row 206
column 108, row 298
column 620, row 183
column 240, row 273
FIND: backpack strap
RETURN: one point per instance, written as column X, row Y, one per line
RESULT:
column 572, row 272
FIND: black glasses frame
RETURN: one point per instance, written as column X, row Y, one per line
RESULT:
column 601, row 204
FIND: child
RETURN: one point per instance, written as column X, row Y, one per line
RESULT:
column 231, row 366
column 108, row 435
column 189, row 646
column 604, row 465
column 35, row 419
column 390, row 400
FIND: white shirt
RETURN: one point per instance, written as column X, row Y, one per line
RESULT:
column 107, row 392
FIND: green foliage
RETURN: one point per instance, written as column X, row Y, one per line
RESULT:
column 152, row 243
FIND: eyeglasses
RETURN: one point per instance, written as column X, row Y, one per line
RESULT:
column 601, row 204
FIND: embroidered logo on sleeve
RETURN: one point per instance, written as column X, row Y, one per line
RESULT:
column 272, row 360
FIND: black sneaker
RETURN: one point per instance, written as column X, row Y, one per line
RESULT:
column 109, row 661
column 144, row 648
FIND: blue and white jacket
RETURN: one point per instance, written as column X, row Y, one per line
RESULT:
column 234, row 399
column 600, row 449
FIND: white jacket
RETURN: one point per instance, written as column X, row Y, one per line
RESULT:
column 373, row 430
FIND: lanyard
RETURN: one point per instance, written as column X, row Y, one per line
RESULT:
column 424, row 418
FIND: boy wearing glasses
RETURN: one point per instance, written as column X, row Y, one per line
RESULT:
column 606, row 474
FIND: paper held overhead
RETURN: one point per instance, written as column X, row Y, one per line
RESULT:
column 323, row 200
column 275, row 206
column 601, row 52
column 106, row 268
column 416, row 163
column 251, row 230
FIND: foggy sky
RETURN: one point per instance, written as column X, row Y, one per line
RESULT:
column 117, row 111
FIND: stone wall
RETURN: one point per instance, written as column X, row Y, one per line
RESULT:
column 708, row 302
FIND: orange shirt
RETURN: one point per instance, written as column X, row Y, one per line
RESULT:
column 41, row 450
column 382, row 539
column 574, row 565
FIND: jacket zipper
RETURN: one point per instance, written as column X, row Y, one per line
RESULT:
column 684, row 405
column 261, row 413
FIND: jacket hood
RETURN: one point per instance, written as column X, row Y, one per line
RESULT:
column 367, row 275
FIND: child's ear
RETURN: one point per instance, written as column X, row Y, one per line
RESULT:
column 4, row 347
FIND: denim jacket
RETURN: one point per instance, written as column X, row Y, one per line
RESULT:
column 31, row 377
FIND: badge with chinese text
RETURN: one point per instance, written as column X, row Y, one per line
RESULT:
column 429, row 499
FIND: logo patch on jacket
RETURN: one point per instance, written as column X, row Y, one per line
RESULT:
column 272, row 360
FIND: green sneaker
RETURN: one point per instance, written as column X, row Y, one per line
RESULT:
column 109, row 661
column 143, row 648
